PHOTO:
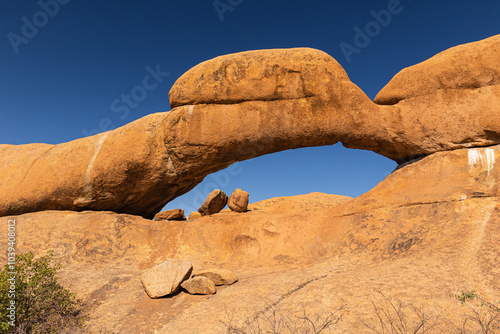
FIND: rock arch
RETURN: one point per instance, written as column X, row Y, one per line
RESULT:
column 244, row 105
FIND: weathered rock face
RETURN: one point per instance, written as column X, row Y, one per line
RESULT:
column 441, row 177
column 429, row 230
column 215, row 202
column 199, row 286
column 166, row 278
column 124, row 170
column 238, row 201
column 218, row 276
column 263, row 75
column 453, row 97
column 443, row 120
column 244, row 105
column 175, row 214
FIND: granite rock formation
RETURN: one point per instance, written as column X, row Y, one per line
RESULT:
column 165, row 278
column 420, row 242
column 244, row 105
column 218, row 276
column 427, row 231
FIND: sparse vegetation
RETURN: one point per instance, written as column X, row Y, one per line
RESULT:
column 395, row 318
column 483, row 316
column 42, row 304
column 466, row 295
column 275, row 321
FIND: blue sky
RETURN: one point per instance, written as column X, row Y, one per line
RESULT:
column 66, row 65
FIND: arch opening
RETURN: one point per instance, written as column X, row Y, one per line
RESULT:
column 331, row 169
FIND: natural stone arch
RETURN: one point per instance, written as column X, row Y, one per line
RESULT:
column 237, row 107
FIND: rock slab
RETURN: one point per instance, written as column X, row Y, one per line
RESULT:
column 199, row 286
column 218, row 276
column 215, row 202
column 238, row 201
column 165, row 278
column 175, row 214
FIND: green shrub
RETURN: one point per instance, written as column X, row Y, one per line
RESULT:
column 42, row 304
column 484, row 317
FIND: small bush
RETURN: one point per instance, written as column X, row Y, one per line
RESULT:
column 393, row 317
column 484, row 317
column 275, row 321
column 42, row 304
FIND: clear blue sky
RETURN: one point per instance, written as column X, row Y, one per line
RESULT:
column 65, row 78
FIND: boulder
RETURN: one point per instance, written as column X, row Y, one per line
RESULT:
column 215, row 202
column 165, row 278
column 465, row 67
column 194, row 215
column 175, row 214
column 263, row 75
column 218, row 276
column 199, row 286
column 238, row 201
